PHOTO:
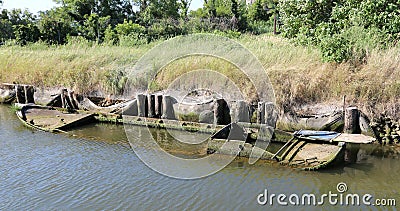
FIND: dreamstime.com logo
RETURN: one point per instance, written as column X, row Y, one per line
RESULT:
column 146, row 71
column 341, row 198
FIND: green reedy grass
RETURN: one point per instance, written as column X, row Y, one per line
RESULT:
column 80, row 67
column 297, row 73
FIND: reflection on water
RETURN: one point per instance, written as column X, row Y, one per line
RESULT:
column 96, row 169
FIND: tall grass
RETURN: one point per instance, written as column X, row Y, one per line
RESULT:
column 298, row 75
column 78, row 66
column 205, row 72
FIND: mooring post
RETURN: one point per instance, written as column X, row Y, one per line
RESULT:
column 221, row 112
column 25, row 94
column 158, row 107
column 142, row 105
column 261, row 113
column 242, row 113
column 29, row 94
column 152, row 106
column 18, row 94
column 168, row 107
column 351, row 120
column 72, row 99
column 68, row 100
column 63, row 100
column 270, row 114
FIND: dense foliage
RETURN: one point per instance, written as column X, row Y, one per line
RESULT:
column 129, row 22
column 343, row 30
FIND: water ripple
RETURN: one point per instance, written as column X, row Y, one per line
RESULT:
column 43, row 171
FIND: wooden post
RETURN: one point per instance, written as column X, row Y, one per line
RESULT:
column 142, row 105
column 168, row 107
column 221, row 112
column 29, row 94
column 68, row 100
column 152, row 106
column 275, row 23
column 25, row 94
column 63, row 100
column 242, row 112
column 19, row 96
column 72, row 99
column 261, row 113
column 351, row 121
column 270, row 114
column 158, row 107
column 344, row 104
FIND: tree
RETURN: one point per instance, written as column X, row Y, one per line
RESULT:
column 6, row 27
column 301, row 17
column 259, row 11
column 210, row 7
column 26, row 33
column 119, row 10
column 95, row 26
column 55, row 25
column 198, row 14
column 19, row 25
column 184, row 8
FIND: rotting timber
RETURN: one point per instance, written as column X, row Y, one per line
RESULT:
column 52, row 120
column 157, row 111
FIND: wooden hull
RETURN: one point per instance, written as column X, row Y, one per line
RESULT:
column 52, row 120
column 312, row 156
column 312, row 150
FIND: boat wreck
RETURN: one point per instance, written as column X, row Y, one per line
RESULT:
column 234, row 124
column 306, row 150
column 52, row 120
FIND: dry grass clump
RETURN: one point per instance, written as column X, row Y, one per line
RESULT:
column 198, row 66
column 299, row 77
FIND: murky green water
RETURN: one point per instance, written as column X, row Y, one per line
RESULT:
column 97, row 170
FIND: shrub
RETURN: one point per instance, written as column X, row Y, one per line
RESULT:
column 25, row 34
column 335, row 48
column 231, row 34
column 78, row 41
column 343, row 30
column 131, row 40
column 260, row 27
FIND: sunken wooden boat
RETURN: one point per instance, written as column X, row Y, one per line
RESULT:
column 314, row 150
column 235, row 139
column 307, row 150
column 53, row 120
